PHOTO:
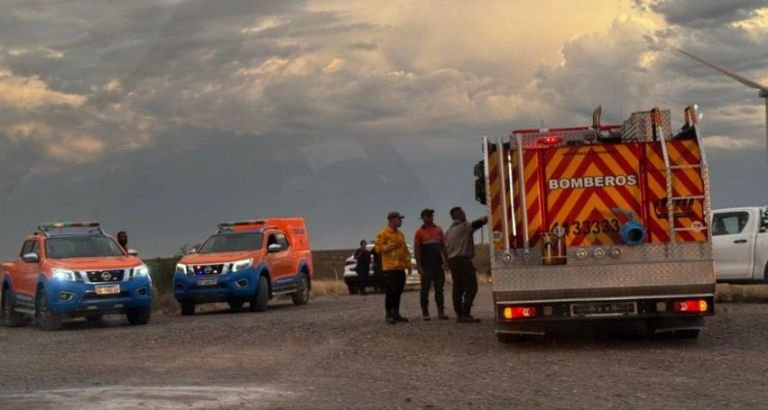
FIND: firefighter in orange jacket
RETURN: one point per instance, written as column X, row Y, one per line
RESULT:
column 395, row 260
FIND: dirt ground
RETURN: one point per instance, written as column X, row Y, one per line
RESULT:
column 337, row 352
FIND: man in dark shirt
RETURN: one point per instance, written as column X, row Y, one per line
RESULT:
column 429, row 248
column 122, row 240
column 362, row 265
column 460, row 246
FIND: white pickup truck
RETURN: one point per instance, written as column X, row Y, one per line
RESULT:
column 740, row 244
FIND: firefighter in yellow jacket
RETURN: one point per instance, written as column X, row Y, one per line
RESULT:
column 395, row 260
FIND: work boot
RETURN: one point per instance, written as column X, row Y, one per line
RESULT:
column 425, row 316
column 400, row 318
column 467, row 319
column 391, row 318
column 441, row 315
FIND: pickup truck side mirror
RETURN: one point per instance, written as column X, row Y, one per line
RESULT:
column 133, row 252
column 31, row 257
column 191, row 251
column 275, row 247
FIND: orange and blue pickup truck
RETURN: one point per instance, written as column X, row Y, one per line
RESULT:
column 247, row 261
column 74, row 269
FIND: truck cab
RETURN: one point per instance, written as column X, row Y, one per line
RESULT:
column 247, row 261
column 740, row 244
column 74, row 269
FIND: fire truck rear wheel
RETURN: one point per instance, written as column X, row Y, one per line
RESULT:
column 687, row 334
column 511, row 337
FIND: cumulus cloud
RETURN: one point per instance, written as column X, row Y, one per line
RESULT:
column 31, row 92
column 64, row 145
column 305, row 94
column 696, row 13
column 729, row 143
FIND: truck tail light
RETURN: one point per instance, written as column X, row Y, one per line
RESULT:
column 692, row 306
column 549, row 140
column 519, row 312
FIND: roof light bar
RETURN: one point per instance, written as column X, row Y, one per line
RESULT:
column 240, row 223
column 62, row 225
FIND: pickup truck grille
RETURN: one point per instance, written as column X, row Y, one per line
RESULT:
column 100, row 276
column 208, row 269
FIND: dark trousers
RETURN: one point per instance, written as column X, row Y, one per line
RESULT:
column 430, row 276
column 464, row 284
column 394, row 283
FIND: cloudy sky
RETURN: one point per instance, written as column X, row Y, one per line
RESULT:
column 164, row 117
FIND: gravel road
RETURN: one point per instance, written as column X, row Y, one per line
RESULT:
column 337, row 352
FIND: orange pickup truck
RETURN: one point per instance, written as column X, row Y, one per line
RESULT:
column 247, row 261
column 74, row 269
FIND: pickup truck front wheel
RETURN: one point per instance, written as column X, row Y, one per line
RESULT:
column 45, row 318
column 10, row 317
column 260, row 299
column 139, row 316
column 187, row 309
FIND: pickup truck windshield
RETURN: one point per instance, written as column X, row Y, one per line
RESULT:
column 81, row 247
column 233, row 242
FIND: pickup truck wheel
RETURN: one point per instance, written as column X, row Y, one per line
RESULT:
column 45, row 318
column 139, row 316
column 259, row 300
column 237, row 304
column 187, row 309
column 301, row 296
column 10, row 317
column 765, row 274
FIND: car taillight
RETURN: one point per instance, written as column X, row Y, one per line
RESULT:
column 518, row 312
column 693, row 306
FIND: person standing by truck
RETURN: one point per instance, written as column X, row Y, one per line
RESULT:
column 460, row 247
column 429, row 249
column 362, row 265
column 122, row 240
column 395, row 260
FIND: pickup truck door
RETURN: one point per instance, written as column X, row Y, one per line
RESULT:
column 275, row 260
column 26, row 277
column 733, row 243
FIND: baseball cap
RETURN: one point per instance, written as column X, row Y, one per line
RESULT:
column 427, row 211
column 394, row 214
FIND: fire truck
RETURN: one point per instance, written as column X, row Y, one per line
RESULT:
column 599, row 223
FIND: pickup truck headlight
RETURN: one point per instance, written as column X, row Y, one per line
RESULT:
column 181, row 268
column 64, row 274
column 244, row 264
column 141, row 271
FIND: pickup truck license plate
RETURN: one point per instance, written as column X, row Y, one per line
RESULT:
column 107, row 289
column 206, row 282
column 604, row 309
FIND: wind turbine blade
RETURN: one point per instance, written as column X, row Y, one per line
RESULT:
column 745, row 81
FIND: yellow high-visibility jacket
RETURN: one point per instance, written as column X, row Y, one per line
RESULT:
column 391, row 245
